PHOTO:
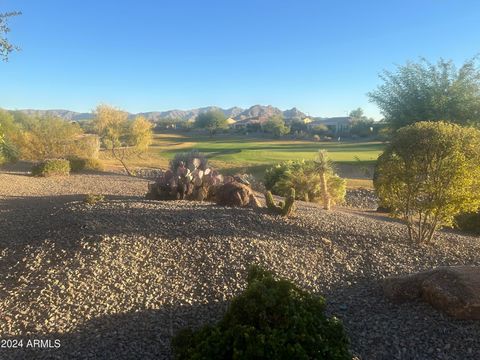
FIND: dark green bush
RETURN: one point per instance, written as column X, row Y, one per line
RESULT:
column 272, row 319
column 84, row 164
column 468, row 222
column 52, row 167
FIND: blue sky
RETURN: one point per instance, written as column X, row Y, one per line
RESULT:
column 320, row 56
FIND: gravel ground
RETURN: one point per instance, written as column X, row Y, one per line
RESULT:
column 361, row 198
column 117, row 279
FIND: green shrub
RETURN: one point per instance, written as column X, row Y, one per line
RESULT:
column 468, row 222
column 428, row 174
column 272, row 319
column 85, row 164
column 304, row 177
column 52, row 167
column 8, row 152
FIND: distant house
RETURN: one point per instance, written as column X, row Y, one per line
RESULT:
column 337, row 125
column 242, row 124
column 230, row 121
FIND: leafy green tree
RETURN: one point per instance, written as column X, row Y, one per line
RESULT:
column 320, row 130
column 276, row 125
column 357, row 114
column 429, row 173
column 212, row 121
column 361, row 125
column 5, row 46
column 140, row 134
column 430, row 92
column 123, row 138
column 298, row 126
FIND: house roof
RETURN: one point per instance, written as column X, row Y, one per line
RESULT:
column 341, row 120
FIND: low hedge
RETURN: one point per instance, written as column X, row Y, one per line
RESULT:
column 469, row 222
column 85, row 164
column 272, row 319
column 52, row 167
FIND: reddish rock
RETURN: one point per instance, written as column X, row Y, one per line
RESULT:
column 454, row 290
column 233, row 194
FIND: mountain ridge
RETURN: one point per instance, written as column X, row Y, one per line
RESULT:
column 237, row 113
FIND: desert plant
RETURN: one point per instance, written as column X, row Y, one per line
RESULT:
column 188, row 158
column 305, row 178
column 189, row 177
column 8, row 152
column 271, row 319
column 428, row 174
column 324, row 167
column 92, row 199
column 124, row 139
column 284, row 208
column 47, row 138
column 84, row 164
column 52, row 167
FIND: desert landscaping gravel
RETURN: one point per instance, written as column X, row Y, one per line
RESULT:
column 116, row 280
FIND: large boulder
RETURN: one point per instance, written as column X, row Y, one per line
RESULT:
column 454, row 290
column 233, row 194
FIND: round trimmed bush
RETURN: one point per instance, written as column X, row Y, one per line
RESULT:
column 85, row 164
column 272, row 319
column 52, row 167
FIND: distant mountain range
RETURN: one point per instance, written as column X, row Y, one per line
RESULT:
column 256, row 111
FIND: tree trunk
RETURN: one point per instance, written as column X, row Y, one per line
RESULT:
column 325, row 195
column 119, row 158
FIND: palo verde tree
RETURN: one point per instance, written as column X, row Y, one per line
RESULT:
column 429, row 173
column 123, row 138
column 212, row 121
column 5, row 46
column 424, row 91
column 44, row 138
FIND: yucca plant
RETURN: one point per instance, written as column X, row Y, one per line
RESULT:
column 324, row 167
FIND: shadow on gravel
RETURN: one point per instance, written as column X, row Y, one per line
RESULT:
column 26, row 223
column 377, row 328
column 144, row 334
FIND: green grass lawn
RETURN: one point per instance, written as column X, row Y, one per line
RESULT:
column 232, row 154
